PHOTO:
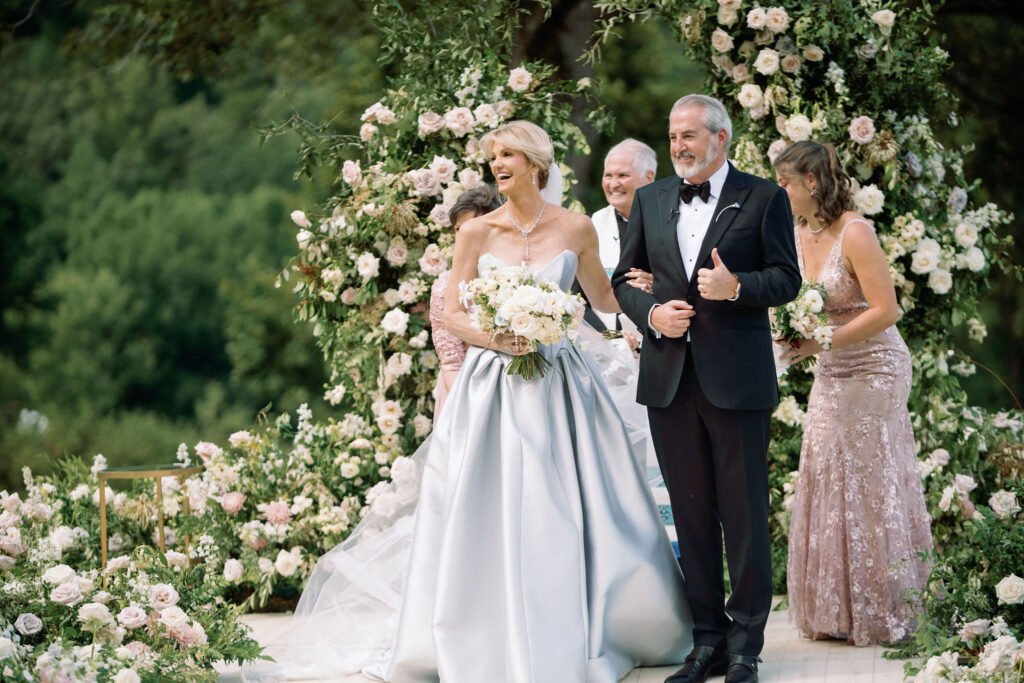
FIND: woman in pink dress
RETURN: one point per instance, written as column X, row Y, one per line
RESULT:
column 859, row 517
column 450, row 349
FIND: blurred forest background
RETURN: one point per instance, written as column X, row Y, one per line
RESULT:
column 142, row 222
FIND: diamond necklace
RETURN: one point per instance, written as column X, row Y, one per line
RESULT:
column 525, row 233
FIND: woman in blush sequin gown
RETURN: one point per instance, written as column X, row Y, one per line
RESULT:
column 859, row 517
column 450, row 349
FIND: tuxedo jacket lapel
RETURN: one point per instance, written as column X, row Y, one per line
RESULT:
column 734, row 192
column 668, row 205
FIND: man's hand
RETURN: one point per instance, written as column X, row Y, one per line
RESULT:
column 672, row 318
column 716, row 284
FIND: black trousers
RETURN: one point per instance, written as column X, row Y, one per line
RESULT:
column 716, row 470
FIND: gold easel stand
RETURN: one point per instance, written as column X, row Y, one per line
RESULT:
column 144, row 472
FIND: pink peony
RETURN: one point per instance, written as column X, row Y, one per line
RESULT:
column 278, row 512
column 232, row 502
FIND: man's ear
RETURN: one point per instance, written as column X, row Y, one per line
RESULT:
column 649, row 176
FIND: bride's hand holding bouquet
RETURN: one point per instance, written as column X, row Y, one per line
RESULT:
column 519, row 312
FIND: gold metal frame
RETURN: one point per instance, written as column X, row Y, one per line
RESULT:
column 144, row 472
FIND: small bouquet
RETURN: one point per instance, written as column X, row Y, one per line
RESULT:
column 512, row 300
column 802, row 318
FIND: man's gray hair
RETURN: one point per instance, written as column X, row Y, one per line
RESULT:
column 644, row 158
column 716, row 117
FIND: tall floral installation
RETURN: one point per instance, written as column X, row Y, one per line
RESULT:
column 862, row 75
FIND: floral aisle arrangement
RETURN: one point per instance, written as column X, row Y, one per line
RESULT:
column 866, row 77
column 149, row 616
column 511, row 300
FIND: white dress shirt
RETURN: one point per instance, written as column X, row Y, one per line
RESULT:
column 691, row 227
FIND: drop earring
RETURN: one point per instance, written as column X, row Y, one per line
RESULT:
column 534, row 178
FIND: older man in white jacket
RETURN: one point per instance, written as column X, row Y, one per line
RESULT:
column 627, row 166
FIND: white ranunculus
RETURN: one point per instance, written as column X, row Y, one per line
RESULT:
column 798, row 128
column 349, row 470
column 519, row 79
column 940, row 280
column 58, row 574
column 351, row 173
column 750, row 96
column 299, row 218
column 1004, row 504
column 862, row 130
column 767, row 62
column 430, row 122
column 367, row 265
column 395, row 321
column 868, row 200
column 885, row 18
column 721, row 41
column 286, row 563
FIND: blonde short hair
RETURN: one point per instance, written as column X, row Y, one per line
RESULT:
column 525, row 137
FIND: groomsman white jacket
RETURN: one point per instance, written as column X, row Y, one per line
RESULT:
column 608, row 241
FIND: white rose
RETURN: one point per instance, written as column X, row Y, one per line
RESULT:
column 939, row 457
column 885, row 18
column 430, row 122
column 486, row 115
column 1004, row 504
column 730, row 4
column 791, row 64
column 96, row 613
column 367, row 131
column 368, row 265
column 726, row 16
column 776, row 20
column 7, row 648
column 767, row 62
column 444, row 168
column 757, row 18
column 132, row 616
column 964, row 483
column 386, row 116
column 997, row 656
column 519, row 79
column 940, row 281
column 470, row 178
column 173, row 617
column 524, row 324
column 923, row 261
column 162, row 596
column 505, row 110
column 750, row 96
column 349, row 470
column 721, row 41
column 422, row 425
column 67, row 594
column 862, row 130
column 126, row 676
column 813, row 53
column 388, row 424
column 946, row 501
column 395, row 321
column 286, row 563
column 299, row 218
column 966, row 235
column 425, row 182
column 868, row 200
column 459, row 121
column 58, row 574
column 798, row 128
column 351, row 173
column 973, row 259
column 265, row 565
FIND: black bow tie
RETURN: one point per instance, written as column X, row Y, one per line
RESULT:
column 687, row 191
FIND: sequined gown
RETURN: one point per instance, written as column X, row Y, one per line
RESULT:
column 450, row 349
column 859, row 515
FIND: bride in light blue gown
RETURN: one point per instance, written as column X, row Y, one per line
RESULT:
column 521, row 544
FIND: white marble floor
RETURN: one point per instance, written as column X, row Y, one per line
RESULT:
column 787, row 657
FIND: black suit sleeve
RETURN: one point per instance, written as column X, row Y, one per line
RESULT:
column 635, row 303
column 778, row 280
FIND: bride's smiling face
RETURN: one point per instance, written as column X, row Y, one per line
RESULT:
column 510, row 168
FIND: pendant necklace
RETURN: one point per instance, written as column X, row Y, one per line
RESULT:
column 525, row 233
column 815, row 232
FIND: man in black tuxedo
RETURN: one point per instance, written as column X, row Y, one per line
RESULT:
column 720, row 245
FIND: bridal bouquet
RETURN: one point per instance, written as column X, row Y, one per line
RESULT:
column 802, row 318
column 512, row 300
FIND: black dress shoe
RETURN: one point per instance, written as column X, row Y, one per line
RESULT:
column 742, row 669
column 704, row 661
